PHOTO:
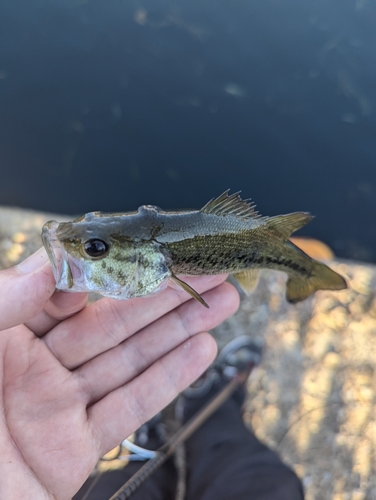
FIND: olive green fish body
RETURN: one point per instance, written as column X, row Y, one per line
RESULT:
column 231, row 252
column 134, row 254
column 260, row 246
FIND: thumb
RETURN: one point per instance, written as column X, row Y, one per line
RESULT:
column 25, row 289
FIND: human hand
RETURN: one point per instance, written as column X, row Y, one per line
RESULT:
column 77, row 380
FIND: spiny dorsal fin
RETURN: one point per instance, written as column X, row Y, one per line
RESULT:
column 285, row 225
column 247, row 279
column 231, row 204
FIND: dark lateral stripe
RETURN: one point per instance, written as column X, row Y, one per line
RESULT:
column 287, row 263
column 216, row 260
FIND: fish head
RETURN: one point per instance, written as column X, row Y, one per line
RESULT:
column 95, row 255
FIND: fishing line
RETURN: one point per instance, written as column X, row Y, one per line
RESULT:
column 92, row 485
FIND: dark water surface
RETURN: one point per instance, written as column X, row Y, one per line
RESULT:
column 106, row 105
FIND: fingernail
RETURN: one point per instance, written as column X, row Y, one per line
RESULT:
column 34, row 262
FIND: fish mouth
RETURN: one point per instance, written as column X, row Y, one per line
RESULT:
column 58, row 256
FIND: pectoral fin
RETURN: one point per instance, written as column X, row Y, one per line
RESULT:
column 189, row 290
column 247, row 279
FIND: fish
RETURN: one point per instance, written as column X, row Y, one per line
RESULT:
column 135, row 254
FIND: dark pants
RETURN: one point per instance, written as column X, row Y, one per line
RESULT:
column 225, row 461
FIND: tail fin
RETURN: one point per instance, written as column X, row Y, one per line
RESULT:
column 322, row 278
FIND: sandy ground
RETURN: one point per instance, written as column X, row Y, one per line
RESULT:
column 313, row 398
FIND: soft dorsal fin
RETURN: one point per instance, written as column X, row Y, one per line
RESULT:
column 231, row 204
column 285, row 225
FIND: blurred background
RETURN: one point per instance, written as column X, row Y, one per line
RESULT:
column 107, row 105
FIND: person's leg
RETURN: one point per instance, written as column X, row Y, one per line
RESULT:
column 161, row 485
column 225, row 460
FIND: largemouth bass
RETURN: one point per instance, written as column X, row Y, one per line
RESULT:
column 126, row 255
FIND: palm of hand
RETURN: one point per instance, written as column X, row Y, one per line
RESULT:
column 77, row 380
column 50, row 439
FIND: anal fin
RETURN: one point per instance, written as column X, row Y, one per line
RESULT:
column 189, row 290
column 247, row 279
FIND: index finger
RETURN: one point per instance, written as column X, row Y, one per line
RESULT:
column 108, row 322
column 59, row 307
column 25, row 289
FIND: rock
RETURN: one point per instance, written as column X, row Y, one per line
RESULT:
column 20, row 232
column 314, row 248
column 313, row 398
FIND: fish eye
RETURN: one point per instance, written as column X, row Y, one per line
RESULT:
column 96, row 248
